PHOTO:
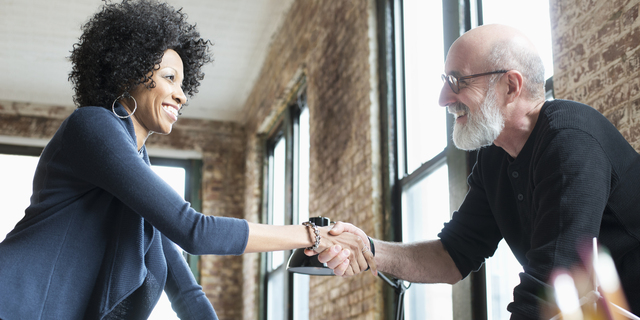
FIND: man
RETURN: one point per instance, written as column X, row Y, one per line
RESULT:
column 549, row 177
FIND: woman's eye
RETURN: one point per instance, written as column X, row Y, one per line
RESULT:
column 171, row 77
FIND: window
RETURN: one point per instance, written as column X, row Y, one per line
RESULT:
column 413, row 52
column 16, row 182
column 16, row 195
column 286, row 194
column 422, row 151
column 276, row 273
column 426, row 132
column 176, row 177
column 532, row 18
column 421, row 124
column 301, row 281
column 426, row 207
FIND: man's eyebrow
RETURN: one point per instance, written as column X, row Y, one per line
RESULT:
column 454, row 73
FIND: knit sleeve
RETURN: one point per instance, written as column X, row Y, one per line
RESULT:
column 472, row 235
column 101, row 151
column 186, row 296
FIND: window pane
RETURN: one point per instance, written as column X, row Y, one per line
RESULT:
column 277, row 214
column 425, row 208
column 15, row 198
column 275, row 295
column 300, row 296
column 424, row 63
column 503, row 271
column 303, row 174
column 15, row 189
column 176, row 177
column 300, row 281
column 532, row 18
column 529, row 16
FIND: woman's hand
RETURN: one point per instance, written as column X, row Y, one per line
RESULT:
column 347, row 253
column 345, row 249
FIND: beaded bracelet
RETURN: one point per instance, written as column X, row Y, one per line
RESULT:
column 316, row 231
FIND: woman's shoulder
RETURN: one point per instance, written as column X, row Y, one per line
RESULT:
column 93, row 117
column 89, row 112
column 92, row 121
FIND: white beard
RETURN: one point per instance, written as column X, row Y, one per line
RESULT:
column 481, row 128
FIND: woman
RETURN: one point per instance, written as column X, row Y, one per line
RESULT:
column 97, row 240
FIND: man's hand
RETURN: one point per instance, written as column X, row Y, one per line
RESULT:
column 337, row 259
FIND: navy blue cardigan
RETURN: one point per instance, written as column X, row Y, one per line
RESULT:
column 99, row 220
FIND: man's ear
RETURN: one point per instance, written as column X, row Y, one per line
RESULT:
column 515, row 84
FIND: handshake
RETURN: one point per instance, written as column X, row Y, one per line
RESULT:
column 348, row 250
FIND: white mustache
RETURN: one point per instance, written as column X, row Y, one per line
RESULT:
column 457, row 107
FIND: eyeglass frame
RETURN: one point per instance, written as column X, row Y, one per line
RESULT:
column 449, row 79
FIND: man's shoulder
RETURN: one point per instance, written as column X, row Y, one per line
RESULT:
column 566, row 107
column 567, row 114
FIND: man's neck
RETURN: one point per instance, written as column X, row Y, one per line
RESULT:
column 518, row 127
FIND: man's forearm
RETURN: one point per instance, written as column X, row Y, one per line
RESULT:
column 420, row 262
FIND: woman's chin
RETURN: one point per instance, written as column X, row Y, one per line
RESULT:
column 164, row 130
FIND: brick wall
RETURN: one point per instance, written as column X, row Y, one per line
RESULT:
column 34, row 121
column 596, row 48
column 329, row 42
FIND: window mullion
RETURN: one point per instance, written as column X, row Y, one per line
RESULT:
column 401, row 121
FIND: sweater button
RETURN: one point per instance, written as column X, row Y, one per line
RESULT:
column 520, row 197
column 514, row 174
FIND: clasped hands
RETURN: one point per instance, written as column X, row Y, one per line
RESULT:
column 345, row 248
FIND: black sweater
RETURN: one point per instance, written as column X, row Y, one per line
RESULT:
column 576, row 178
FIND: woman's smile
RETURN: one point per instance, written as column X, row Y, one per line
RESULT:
column 171, row 110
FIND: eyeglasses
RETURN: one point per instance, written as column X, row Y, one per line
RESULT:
column 454, row 82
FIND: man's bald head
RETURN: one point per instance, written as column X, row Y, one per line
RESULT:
column 499, row 47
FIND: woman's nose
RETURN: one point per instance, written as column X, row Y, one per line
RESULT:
column 179, row 96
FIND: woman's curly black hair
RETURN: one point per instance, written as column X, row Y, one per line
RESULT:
column 124, row 42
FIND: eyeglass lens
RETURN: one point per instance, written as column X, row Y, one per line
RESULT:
column 452, row 81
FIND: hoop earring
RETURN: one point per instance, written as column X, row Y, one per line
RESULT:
column 129, row 115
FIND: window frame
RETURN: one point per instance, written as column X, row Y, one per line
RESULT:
column 458, row 17
column 24, row 151
column 393, row 121
column 193, row 183
column 482, row 283
column 20, row 150
column 286, row 127
column 405, row 178
column 279, row 134
column 192, row 194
